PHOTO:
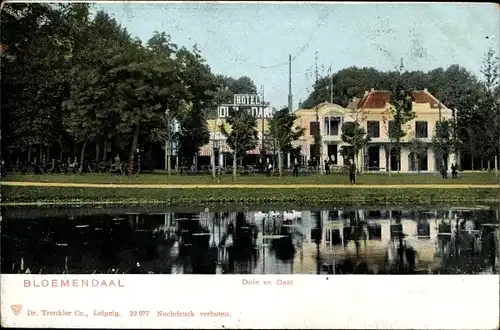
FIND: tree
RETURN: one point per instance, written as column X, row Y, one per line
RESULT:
column 401, row 110
column 490, row 106
column 87, row 115
column 442, row 141
column 418, row 150
column 34, row 36
column 355, row 136
column 282, row 130
column 241, row 135
column 201, row 86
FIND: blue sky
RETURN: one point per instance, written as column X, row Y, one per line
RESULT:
column 255, row 39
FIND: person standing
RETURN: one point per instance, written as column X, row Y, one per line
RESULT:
column 444, row 173
column 352, row 173
column 296, row 169
column 327, row 167
column 454, row 171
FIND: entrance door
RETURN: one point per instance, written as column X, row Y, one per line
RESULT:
column 395, row 160
column 332, row 153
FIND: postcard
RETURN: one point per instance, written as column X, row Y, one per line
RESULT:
column 302, row 165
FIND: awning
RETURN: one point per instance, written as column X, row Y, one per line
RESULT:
column 207, row 150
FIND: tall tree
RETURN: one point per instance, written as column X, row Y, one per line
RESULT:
column 201, row 86
column 418, row 150
column 490, row 106
column 442, row 141
column 241, row 135
column 355, row 136
column 283, row 132
column 401, row 110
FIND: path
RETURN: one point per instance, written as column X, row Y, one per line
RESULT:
column 247, row 186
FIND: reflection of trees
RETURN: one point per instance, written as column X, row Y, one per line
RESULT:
column 471, row 248
column 83, row 245
column 98, row 243
column 242, row 254
column 284, row 248
column 194, row 252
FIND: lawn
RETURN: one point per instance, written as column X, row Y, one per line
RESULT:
column 362, row 179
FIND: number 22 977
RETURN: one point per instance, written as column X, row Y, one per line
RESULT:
column 139, row 313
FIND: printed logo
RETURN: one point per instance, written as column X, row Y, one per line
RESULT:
column 16, row 309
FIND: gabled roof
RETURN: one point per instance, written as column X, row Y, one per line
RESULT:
column 379, row 99
column 374, row 99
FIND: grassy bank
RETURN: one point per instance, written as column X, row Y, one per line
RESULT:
column 362, row 179
column 298, row 196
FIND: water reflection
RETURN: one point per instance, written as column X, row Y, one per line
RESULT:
column 336, row 241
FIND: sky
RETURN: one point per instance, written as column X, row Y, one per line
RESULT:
column 255, row 39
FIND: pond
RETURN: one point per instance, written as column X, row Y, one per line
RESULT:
column 258, row 240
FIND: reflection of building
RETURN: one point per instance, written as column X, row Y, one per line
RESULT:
column 336, row 224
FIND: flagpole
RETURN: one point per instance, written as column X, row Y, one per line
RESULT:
column 331, row 83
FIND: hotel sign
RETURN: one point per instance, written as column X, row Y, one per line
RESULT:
column 248, row 102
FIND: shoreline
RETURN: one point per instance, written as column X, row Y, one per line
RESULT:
column 244, row 186
column 47, row 195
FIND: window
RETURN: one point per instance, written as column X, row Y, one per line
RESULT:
column 421, row 129
column 331, row 125
column 313, row 127
column 373, row 128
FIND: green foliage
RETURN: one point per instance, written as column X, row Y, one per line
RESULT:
column 401, row 107
column 418, row 150
column 77, row 80
column 242, row 136
column 356, row 138
column 283, row 131
column 442, row 141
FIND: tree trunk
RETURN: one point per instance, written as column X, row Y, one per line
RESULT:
column 234, row 165
column 61, row 150
column 40, row 153
column 48, row 151
column 105, row 151
column 389, row 166
column 482, row 164
column 97, row 150
column 496, row 165
column 472, row 163
column 280, row 162
column 29, row 153
column 416, row 160
column 133, row 150
column 212, row 158
column 489, row 165
column 82, row 155
column 168, row 163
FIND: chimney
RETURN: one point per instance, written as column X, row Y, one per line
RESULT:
column 366, row 93
column 425, row 90
column 372, row 90
column 300, row 104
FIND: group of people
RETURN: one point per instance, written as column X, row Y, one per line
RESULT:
column 454, row 171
